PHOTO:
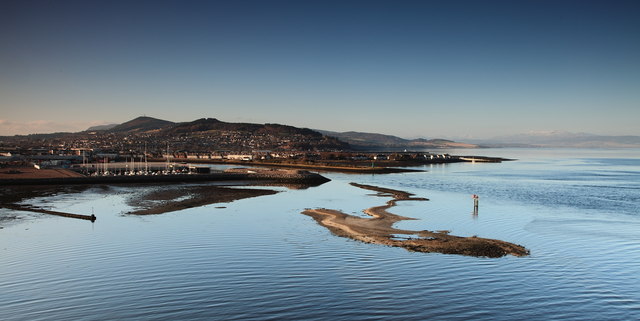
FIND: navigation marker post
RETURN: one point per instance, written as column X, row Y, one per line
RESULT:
column 476, row 198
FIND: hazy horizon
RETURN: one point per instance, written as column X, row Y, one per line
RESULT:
column 406, row 68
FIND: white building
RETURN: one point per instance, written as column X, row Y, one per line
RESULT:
column 240, row 157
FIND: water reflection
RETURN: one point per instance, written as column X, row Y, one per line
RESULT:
column 146, row 198
column 259, row 258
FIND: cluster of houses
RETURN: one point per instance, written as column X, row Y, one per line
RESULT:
column 64, row 157
column 63, row 153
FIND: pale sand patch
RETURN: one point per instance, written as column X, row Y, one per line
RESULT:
column 379, row 230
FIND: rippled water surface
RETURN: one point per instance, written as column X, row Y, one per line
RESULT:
column 578, row 211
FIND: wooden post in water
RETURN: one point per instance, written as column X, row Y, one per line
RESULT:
column 476, row 198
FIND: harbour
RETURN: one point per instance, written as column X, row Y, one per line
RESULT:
column 259, row 257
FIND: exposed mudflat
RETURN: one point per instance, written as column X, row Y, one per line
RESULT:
column 163, row 200
column 379, row 230
column 145, row 199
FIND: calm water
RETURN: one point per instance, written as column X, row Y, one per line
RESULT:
column 578, row 211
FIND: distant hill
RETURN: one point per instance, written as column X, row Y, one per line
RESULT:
column 208, row 134
column 199, row 136
column 562, row 139
column 212, row 124
column 256, row 136
column 141, row 124
column 373, row 141
column 100, row 127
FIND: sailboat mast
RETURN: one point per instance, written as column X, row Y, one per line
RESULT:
column 146, row 165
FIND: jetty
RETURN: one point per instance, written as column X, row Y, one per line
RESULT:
column 280, row 176
column 17, row 207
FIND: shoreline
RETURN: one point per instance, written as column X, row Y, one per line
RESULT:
column 155, row 199
column 69, row 177
column 169, row 198
column 379, row 230
column 350, row 166
column 341, row 167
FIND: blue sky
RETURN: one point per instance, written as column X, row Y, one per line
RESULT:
column 409, row 68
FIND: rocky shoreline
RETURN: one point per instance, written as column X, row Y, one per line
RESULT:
column 291, row 176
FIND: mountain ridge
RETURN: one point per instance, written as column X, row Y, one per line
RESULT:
column 100, row 127
column 142, row 123
column 364, row 141
column 354, row 140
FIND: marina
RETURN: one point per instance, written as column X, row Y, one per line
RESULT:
column 260, row 258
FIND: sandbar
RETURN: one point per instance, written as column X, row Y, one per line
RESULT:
column 379, row 230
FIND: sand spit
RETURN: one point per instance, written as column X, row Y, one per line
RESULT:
column 379, row 230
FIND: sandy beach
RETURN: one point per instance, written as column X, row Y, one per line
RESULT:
column 379, row 230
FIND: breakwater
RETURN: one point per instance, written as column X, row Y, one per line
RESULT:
column 285, row 177
column 16, row 207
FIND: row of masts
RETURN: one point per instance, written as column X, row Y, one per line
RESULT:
column 103, row 168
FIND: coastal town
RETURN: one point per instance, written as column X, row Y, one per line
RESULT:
column 146, row 139
column 182, row 158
